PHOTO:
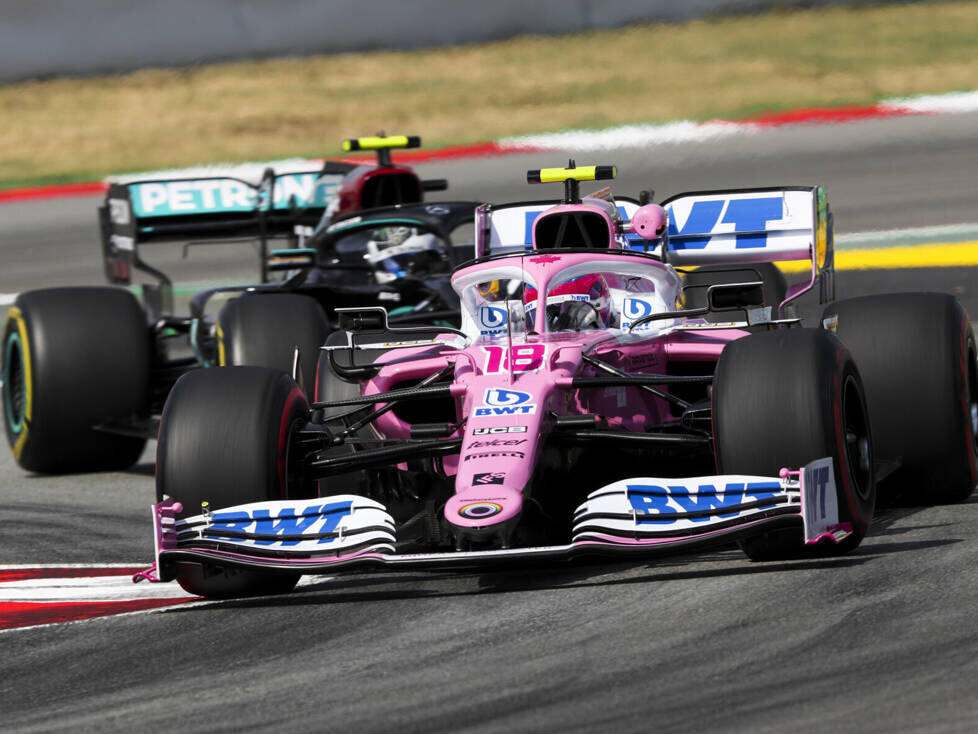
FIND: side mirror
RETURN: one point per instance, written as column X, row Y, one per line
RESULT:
column 362, row 319
column 297, row 258
column 735, row 296
column 649, row 221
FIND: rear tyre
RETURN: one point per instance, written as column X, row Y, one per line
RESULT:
column 783, row 399
column 74, row 358
column 329, row 386
column 916, row 354
column 224, row 439
column 263, row 331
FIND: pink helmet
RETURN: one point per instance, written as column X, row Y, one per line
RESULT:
column 579, row 303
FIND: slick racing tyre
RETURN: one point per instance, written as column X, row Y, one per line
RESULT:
column 700, row 279
column 263, row 331
column 916, row 354
column 329, row 385
column 74, row 358
column 785, row 398
column 224, row 439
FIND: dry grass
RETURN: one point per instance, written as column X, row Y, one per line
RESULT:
column 79, row 128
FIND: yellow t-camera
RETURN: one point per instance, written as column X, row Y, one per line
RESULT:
column 382, row 143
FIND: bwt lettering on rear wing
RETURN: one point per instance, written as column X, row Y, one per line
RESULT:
column 742, row 226
column 215, row 208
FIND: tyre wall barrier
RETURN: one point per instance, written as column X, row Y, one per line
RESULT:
column 43, row 38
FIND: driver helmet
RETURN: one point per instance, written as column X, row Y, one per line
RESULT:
column 396, row 252
column 579, row 303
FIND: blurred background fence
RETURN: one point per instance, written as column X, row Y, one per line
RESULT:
column 44, row 38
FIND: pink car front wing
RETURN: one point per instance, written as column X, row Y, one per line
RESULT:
column 643, row 516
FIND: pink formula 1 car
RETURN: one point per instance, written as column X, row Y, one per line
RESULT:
column 584, row 407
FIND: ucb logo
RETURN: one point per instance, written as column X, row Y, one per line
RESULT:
column 492, row 317
column 636, row 308
column 505, row 402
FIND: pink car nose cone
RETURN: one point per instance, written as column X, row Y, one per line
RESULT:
column 481, row 507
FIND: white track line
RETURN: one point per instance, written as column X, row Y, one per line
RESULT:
column 87, row 588
column 96, row 588
column 892, row 237
column 33, row 566
column 936, row 103
column 682, row 131
column 686, row 131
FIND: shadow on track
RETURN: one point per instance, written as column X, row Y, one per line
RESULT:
column 435, row 585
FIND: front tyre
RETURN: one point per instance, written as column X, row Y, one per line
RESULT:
column 783, row 399
column 224, row 439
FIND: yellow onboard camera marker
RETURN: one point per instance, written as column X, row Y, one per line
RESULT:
column 581, row 173
column 378, row 143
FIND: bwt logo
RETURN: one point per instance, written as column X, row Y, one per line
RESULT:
column 746, row 215
column 636, row 308
column 661, row 505
column 499, row 396
column 289, row 522
column 492, row 317
column 498, row 401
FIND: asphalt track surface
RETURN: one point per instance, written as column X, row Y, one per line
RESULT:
column 877, row 641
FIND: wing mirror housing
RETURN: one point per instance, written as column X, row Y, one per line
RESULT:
column 735, row 296
column 649, row 222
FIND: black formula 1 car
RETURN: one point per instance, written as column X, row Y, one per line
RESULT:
column 86, row 370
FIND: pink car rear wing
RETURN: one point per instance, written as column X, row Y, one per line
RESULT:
column 746, row 226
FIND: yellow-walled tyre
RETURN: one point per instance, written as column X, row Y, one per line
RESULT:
column 73, row 360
